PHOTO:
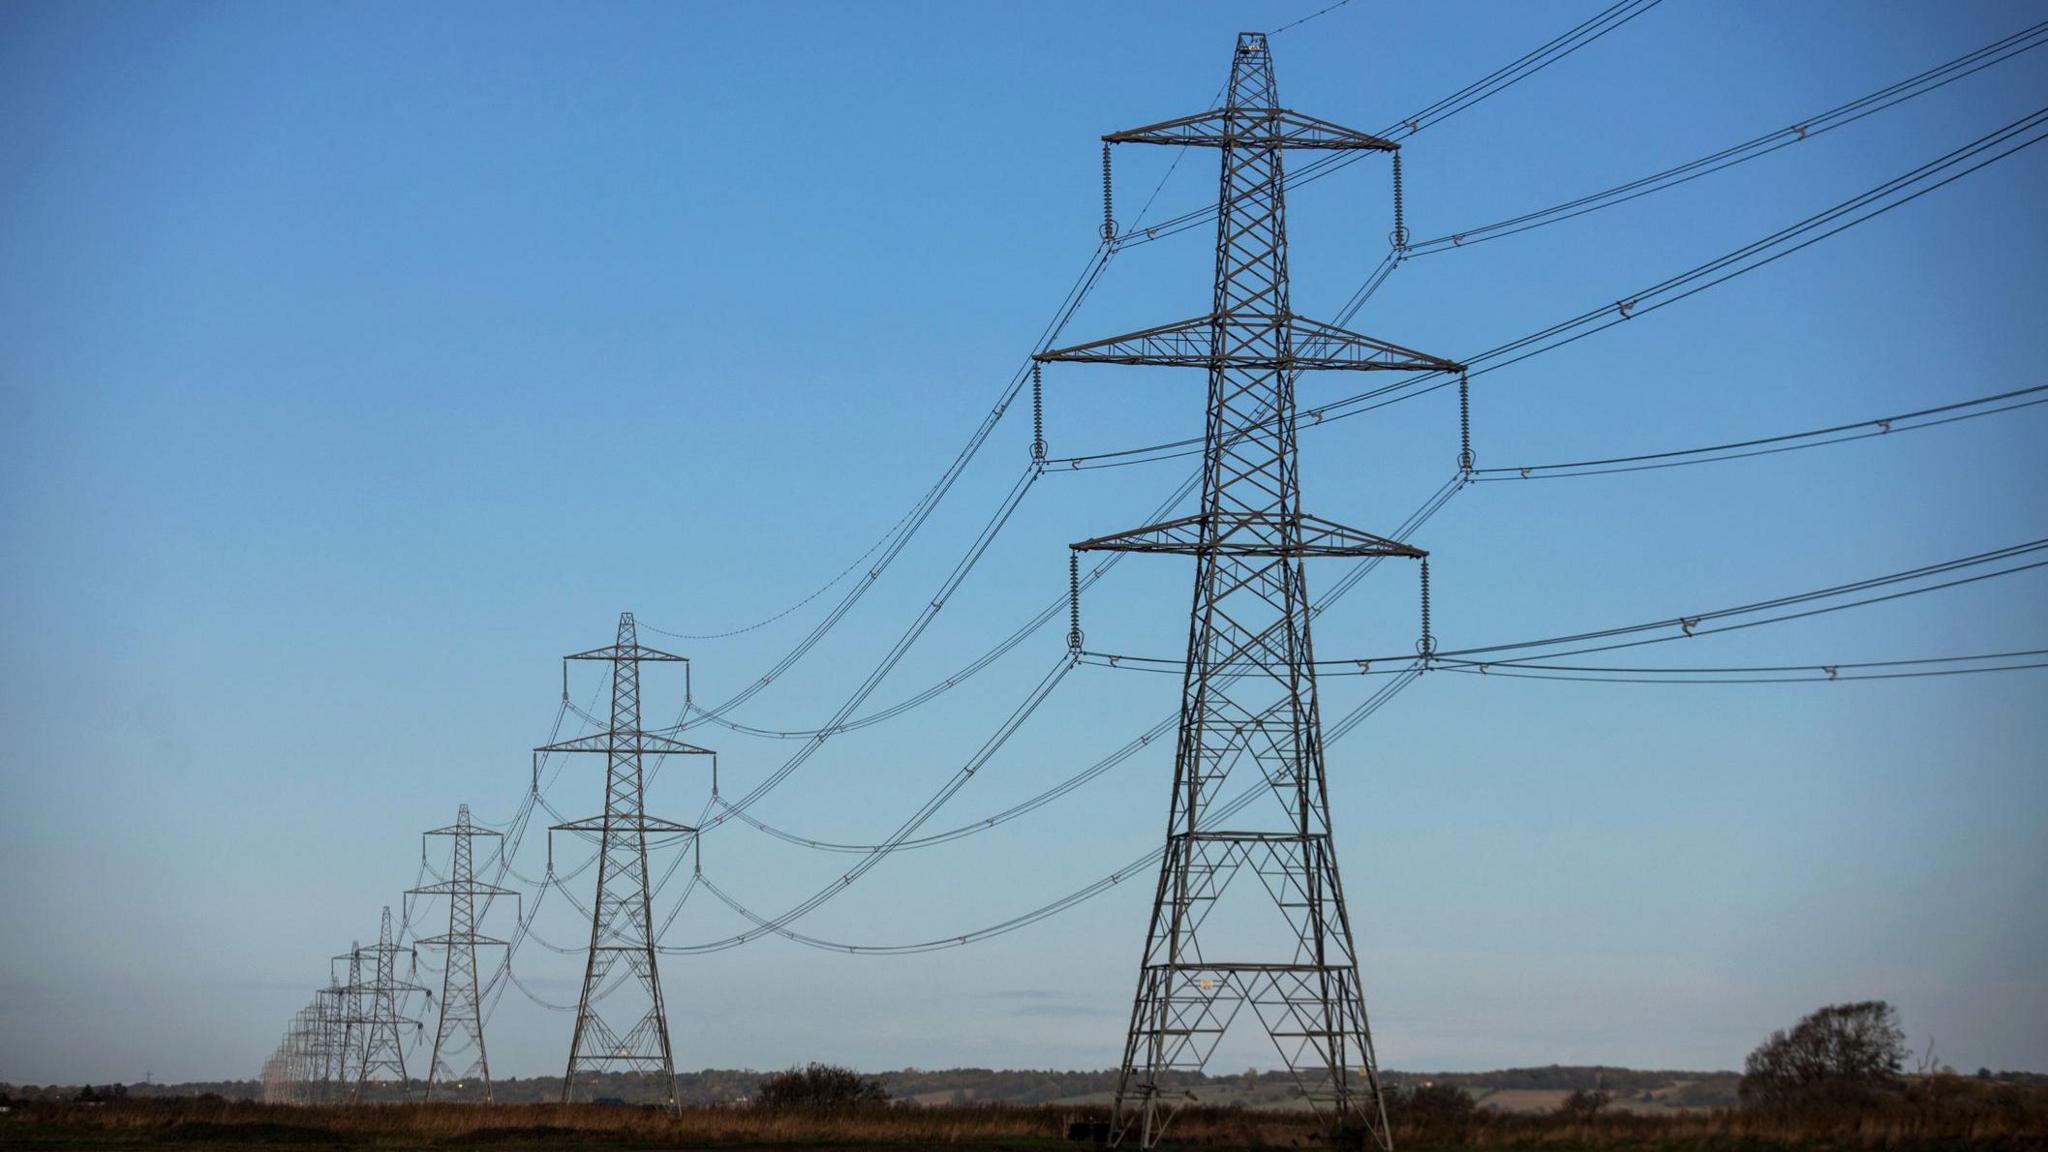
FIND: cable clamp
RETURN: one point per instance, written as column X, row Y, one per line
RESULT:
column 1884, row 426
column 1688, row 623
column 1626, row 306
column 1457, row 239
column 1830, row 669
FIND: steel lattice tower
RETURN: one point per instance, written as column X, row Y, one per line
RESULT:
column 383, row 1049
column 328, row 1065
column 346, row 1022
column 621, row 922
column 462, row 1019
column 1282, row 944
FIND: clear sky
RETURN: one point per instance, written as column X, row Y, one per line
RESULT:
column 359, row 361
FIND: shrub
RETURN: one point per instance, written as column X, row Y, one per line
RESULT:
column 820, row 1086
column 1583, row 1104
column 1439, row 1110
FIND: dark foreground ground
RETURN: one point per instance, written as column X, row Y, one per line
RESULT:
column 1974, row 1120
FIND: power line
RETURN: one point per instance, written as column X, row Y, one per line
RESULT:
column 911, row 824
column 1672, row 628
column 1311, row 16
column 1130, row 748
column 1479, row 90
column 1750, row 257
column 1814, row 674
column 896, row 652
column 1223, row 811
column 1002, row 648
column 1684, row 627
column 741, row 630
column 1506, row 77
column 1407, row 672
column 1839, row 116
column 921, row 513
column 1785, row 442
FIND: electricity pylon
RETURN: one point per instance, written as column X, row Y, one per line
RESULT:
column 290, row 1076
column 346, row 1024
column 1284, row 945
column 383, row 1049
column 622, row 920
column 461, row 1027
column 329, row 1061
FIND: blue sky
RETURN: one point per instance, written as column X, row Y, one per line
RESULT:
column 358, row 362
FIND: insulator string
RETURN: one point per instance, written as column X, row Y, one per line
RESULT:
column 1074, row 603
column 1427, row 645
column 1037, row 413
column 1465, row 460
column 1400, row 236
column 1108, row 213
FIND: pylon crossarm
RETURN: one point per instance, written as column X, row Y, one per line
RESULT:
column 1254, row 128
column 1183, row 343
column 1219, row 966
column 462, row 830
column 644, row 742
column 1309, row 345
column 1250, row 534
column 620, row 824
column 459, row 888
column 1320, row 345
column 461, row 939
column 631, row 651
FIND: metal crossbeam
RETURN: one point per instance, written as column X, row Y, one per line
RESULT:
column 1249, row 340
column 1244, row 127
column 1256, row 534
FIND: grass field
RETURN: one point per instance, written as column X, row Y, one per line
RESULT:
column 2017, row 1123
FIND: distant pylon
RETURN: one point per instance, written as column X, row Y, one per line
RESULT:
column 383, row 1048
column 1283, row 944
column 289, row 1076
column 622, row 920
column 327, row 1067
column 461, row 1028
column 348, row 1024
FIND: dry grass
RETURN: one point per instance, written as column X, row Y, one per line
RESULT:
column 1982, row 1122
